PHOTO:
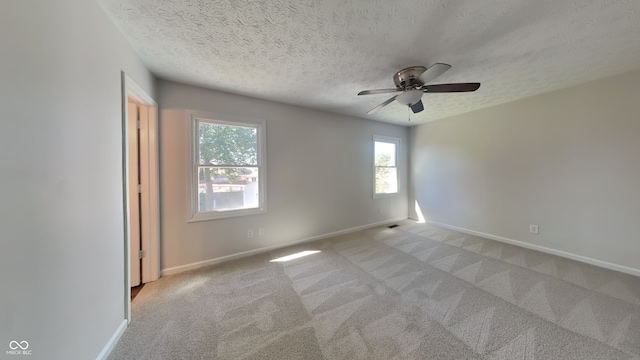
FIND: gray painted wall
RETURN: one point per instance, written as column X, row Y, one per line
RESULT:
column 319, row 176
column 567, row 161
column 61, row 222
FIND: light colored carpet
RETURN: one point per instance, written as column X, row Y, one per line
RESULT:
column 412, row 292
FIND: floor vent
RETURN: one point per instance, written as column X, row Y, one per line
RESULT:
column 392, row 226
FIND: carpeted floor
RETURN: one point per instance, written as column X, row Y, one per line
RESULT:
column 412, row 292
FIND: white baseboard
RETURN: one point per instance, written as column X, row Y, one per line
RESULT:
column 108, row 348
column 584, row 259
column 199, row 264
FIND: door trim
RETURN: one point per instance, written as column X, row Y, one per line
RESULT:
column 150, row 200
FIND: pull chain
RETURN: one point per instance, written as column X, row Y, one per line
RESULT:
column 408, row 113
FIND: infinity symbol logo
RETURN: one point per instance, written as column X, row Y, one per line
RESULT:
column 23, row 345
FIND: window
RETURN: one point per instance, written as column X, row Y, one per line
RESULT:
column 386, row 165
column 228, row 174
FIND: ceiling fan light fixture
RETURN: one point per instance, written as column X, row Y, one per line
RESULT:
column 409, row 97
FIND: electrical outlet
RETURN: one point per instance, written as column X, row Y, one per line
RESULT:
column 533, row 229
column 249, row 234
column 261, row 232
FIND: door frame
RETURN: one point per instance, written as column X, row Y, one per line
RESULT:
column 149, row 179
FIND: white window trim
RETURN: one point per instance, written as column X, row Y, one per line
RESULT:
column 261, row 125
column 387, row 139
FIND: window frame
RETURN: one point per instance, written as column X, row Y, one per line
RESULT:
column 194, row 119
column 391, row 140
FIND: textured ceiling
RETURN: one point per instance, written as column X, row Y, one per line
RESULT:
column 321, row 53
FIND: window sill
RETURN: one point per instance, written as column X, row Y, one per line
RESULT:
column 216, row 215
column 385, row 195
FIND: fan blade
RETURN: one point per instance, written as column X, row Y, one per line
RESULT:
column 417, row 107
column 446, row 88
column 433, row 72
column 378, row 91
column 381, row 105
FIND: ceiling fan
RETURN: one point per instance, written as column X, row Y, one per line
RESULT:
column 412, row 83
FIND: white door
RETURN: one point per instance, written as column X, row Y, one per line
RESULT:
column 142, row 208
column 134, row 191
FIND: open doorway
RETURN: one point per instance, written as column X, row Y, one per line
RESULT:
column 141, row 205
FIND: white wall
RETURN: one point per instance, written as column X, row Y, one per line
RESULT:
column 61, row 196
column 319, row 176
column 567, row 161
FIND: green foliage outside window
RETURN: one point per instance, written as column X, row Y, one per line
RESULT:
column 382, row 172
column 226, row 145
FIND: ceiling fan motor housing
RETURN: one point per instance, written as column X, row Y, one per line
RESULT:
column 408, row 78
